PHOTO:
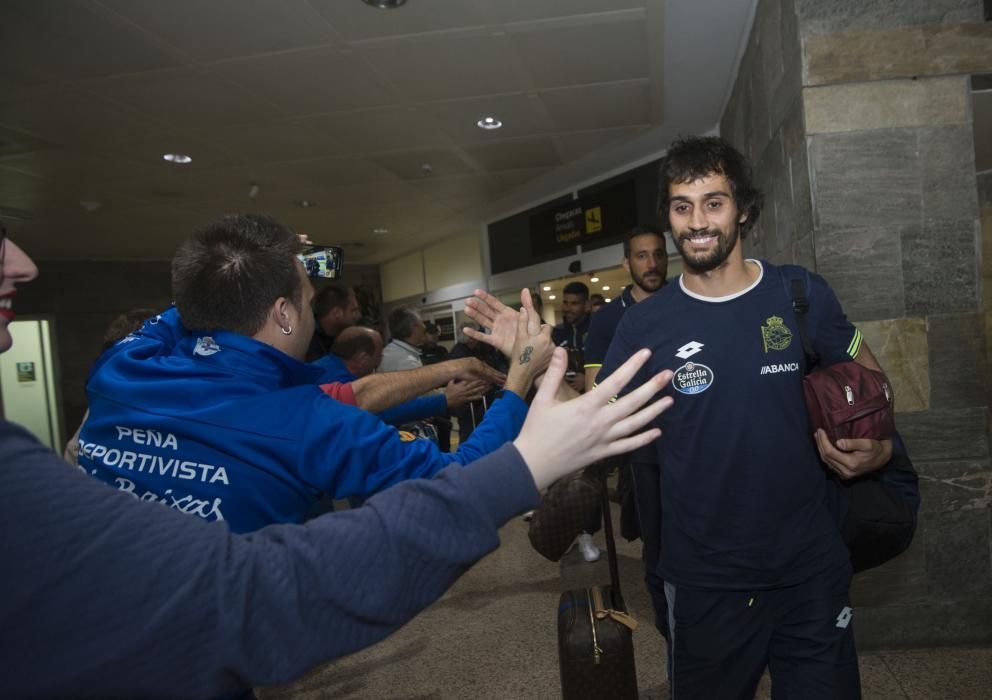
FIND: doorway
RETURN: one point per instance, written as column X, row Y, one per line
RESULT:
column 29, row 381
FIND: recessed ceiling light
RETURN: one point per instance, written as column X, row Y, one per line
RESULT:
column 379, row 231
column 489, row 123
column 594, row 279
column 607, row 300
column 178, row 158
column 305, row 203
column 552, row 297
column 546, row 288
column 606, row 287
column 385, row 4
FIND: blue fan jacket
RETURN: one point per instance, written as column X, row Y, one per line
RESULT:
column 224, row 427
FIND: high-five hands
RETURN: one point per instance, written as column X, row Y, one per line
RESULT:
column 559, row 437
column 488, row 311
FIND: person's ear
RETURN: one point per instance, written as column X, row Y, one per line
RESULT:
column 284, row 315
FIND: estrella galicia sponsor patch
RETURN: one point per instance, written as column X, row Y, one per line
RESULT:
column 775, row 334
column 692, row 378
column 206, row 346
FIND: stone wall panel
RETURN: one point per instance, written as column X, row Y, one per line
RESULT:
column 954, row 486
column 863, row 267
column 947, row 171
column 887, row 105
column 939, row 267
column 901, row 348
column 945, row 434
column 924, row 624
column 837, row 16
column 857, row 55
column 958, row 562
column 865, row 178
column 957, row 361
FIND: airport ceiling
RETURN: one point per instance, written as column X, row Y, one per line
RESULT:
column 368, row 115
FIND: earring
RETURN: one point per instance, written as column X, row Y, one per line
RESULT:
column 287, row 331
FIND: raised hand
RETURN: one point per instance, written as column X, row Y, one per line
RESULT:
column 531, row 351
column 559, row 437
column 488, row 311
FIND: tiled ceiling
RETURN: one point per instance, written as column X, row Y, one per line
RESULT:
column 370, row 114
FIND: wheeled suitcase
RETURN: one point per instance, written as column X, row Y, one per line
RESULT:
column 595, row 643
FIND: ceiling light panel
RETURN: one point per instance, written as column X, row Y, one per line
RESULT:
column 72, row 42
column 353, row 22
column 378, row 130
column 593, row 106
column 408, row 166
column 521, row 115
column 312, row 81
column 512, row 155
column 223, row 29
column 610, row 52
column 187, row 99
column 547, row 9
column 445, row 67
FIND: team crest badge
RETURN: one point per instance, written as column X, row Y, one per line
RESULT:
column 775, row 334
column 206, row 346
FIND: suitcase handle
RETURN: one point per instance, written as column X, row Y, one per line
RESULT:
column 601, row 612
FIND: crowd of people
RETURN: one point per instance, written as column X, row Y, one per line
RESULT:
column 183, row 552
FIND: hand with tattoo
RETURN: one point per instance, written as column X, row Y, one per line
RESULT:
column 531, row 350
column 488, row 311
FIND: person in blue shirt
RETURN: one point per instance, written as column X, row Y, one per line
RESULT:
column 571, row 332
column 106, row 596
column 210, row 410
column 357, row 353
column 756, row 572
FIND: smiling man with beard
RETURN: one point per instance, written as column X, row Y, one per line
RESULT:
column 756, row 572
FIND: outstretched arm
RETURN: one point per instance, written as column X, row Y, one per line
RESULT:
column 378, row 392
column 260, row 608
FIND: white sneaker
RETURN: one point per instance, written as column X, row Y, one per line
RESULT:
column 590, row 552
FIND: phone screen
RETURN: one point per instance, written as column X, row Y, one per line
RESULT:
column 322, row 260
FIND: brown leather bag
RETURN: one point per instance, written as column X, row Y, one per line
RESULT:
column 566, row 507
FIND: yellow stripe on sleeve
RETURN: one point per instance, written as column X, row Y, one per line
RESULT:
column 855, row 347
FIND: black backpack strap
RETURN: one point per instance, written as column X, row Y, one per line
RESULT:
column 795, row 279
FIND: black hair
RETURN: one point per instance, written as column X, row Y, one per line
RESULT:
column 639, row 230
column 576, row 288
column 330, row 297
column 693, row 158
column 229, row 274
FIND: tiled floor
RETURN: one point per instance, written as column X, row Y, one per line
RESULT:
column 493, row 636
